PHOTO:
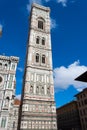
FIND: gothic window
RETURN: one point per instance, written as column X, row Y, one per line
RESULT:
column 3, row 122
column 43, row 59
column 37, row 57
column 43, row 41
column 31, row 89
column 40, row 24
column 37, row 40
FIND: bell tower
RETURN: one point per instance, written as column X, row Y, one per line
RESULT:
column 38, row 106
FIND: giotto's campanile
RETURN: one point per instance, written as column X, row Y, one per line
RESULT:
column 38, row 106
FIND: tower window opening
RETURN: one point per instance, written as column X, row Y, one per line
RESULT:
column 43, row 41
column 43, row 59
column 37, row 40
column 40, row 24
column 37, row 57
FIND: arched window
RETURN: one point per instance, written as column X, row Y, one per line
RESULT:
column 40, row 24
column 37, row 57
column 43, row 41
column 43, row 59
column 37, row 40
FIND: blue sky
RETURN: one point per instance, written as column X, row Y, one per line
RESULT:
column 69, row 41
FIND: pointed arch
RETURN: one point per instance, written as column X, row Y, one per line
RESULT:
column 37, row 40
column 43, row 59
column 37, row 57
column 43, row 41
column 41, row 23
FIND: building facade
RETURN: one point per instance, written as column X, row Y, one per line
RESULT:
column 15, row 113
column 82, row 101
column 38, row 109
column 82, row 106
column 68, row 117
column 7, row 89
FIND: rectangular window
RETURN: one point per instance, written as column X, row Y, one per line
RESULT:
column 13, row 66
column 40, row 24
column 37, row 40
column 85, row 101
column 43, row 41
column 10, row 85
column 43, row 59
column 11, row 77
column 3, row 122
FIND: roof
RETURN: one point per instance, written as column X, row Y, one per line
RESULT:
column 17, row 102
column 82, row 77
column 40, row 7
column 84, row 90
column 74, row 102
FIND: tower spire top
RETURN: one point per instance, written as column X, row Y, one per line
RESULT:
column 41, row 7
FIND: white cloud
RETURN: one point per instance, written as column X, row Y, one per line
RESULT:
column 65, row 76
column 63, row 2
column 35, row 1
column 20, row 69
column 53, row 23
column 18, row 97
column 47, row 0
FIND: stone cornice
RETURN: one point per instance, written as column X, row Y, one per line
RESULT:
column 34, row 66
column 47, row 9
column 11, row 58
column 38, row 30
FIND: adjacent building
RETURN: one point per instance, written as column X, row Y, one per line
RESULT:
column 15, row 112
column 38, row 109
column 68, row 117
column 8, row 67
column 82, row 106
column 82, row 102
